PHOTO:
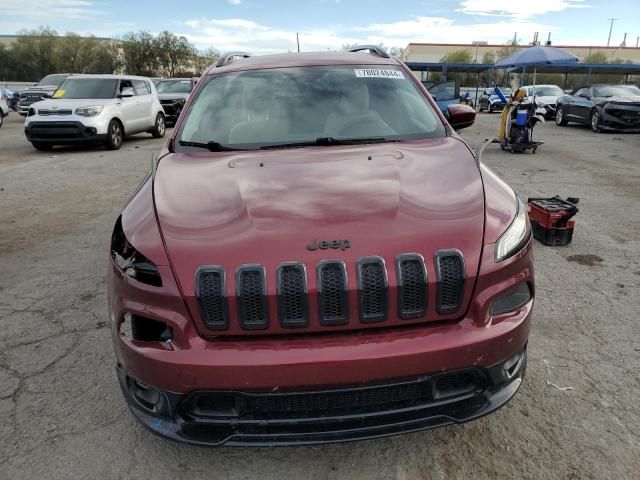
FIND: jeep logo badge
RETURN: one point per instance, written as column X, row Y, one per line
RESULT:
column 325, row 244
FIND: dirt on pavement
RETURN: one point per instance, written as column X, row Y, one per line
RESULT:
column 63, row 416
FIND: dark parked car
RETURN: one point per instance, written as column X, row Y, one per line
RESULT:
column 43, row 90
column 491, row 101
column 318, row 256
column 173, row 94
column 603, row 107
column 12, row 98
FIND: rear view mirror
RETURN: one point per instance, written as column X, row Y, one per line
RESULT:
column 461, row 116
column 126, row 92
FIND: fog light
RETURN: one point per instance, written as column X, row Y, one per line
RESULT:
column 146, row 396
column 512, row 300
column 144, row 329
column 511, row 366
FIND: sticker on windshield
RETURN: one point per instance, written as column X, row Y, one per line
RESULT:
column 378, row 73
column 59, row 93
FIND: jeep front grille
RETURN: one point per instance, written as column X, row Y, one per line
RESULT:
column 333, row 301
column 293, row 305
column 212, row 297
column 450, row 281
column 412, row 286
column 251, row 288
column 298, row 306
column 372, row 289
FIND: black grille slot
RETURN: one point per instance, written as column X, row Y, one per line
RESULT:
column 251, row 294
column 211, row 294
column 450, row 277
column 293, row 305
column 372, row 289
column 332, row 293
column 412, row 286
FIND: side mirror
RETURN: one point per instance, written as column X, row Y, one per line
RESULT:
column 461, row 116
column 126, row 92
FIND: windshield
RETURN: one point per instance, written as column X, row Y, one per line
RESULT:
column 174, row 86
column 89, row 88
column 614, row 91
column 258, row 108
column 53, row 79
column 550, row 91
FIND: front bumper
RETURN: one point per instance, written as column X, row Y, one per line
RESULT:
column 236, row 418
column 63, row 132
column 621, row 118
column 172, row 110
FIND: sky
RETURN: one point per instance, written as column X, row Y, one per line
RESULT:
column 270, row 26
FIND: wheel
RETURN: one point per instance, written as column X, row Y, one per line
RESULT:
column 533, row 151
column 43, row 147
column 561, row 120
column 595, row 120
column 1, row 118
column 115, row 135
column 159, row 127
column 490, row 108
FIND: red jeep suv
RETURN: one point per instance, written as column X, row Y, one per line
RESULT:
column 317, row 256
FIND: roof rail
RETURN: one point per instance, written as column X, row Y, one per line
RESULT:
column 229, row 56
column 374, row 49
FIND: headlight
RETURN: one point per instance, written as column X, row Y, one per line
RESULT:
column 89, row 111
column 130, row 261
column 516, row 236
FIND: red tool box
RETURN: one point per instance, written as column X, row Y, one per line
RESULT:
column 551, row 219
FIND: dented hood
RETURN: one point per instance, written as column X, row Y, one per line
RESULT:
column 235, row 208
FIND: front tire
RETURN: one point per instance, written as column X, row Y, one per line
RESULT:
column 159, row 127
column 42, row 147
column 115, row 135
column 561, row 119
column 595, row 120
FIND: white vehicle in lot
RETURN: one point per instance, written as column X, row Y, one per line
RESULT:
column 546, row 97
column 4, row 105
column 95, row 109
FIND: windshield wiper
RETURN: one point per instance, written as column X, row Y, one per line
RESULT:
column 212, row 146
column 328, row 141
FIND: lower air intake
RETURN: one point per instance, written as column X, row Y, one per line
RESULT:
column 251, row 294
column 332, row 293
column 450, row 281
column 212, row 297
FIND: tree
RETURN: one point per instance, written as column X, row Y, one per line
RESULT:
column 459, row 56
column 84, row 55
column 206, row 59
column 140, row 54
column 36, row 51
column 175, row 54
column 489, row 57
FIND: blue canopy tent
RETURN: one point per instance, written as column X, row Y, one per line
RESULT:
column 536, row 56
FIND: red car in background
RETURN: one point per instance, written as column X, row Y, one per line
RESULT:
column 316, row 257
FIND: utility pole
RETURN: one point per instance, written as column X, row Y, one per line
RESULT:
column 611, row 29
column 298, row 41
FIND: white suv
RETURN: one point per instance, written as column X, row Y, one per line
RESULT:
column 95, row 109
